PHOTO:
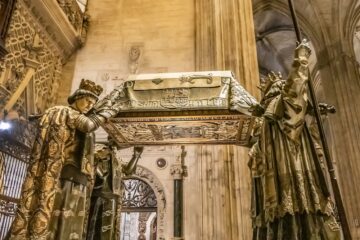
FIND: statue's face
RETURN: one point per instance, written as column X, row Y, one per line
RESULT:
column 85, row 104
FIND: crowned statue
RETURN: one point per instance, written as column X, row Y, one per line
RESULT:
column 56, row 192
column 290, row 198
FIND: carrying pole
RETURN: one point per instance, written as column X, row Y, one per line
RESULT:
column 330, row 166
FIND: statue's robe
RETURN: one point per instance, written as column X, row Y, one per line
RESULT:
column 290, row 199
column 55, row 193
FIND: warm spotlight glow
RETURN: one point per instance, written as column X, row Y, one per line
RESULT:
column 4, row 125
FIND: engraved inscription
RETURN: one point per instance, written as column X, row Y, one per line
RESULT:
column 175, row 98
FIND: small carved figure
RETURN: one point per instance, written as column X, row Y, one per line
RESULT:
column 290, row 196
column 56, row 188
column 106, row 196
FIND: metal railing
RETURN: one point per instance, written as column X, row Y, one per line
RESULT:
column 14, row 161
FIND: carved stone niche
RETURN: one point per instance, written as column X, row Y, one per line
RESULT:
column 6, row 9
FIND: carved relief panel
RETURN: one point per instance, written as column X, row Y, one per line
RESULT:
column 25, row 40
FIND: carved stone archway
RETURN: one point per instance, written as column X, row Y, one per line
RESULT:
column 149, row 177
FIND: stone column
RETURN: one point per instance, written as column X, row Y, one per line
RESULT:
column 178, row 171
column 340, row 77
column 224, row 193
column 225, row 40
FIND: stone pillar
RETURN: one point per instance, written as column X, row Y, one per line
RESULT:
column 178, row 171
column 340, row 77
column 225, row 40
column 224, row 198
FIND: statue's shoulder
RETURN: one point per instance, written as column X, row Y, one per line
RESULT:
column 61, row 115
column 60, row 109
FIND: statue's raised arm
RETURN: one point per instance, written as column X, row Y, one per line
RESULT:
column 286, row 101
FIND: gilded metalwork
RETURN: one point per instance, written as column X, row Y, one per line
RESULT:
column 290, row 196
column 208, row 107
column 223, row 129
column 8, row 207
column 61, row 172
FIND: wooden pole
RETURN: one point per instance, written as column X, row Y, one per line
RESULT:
column 334, row 183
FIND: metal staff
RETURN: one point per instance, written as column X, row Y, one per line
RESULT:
column 334, row 183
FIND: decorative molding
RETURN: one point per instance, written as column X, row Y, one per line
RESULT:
column 177, row 171
column 53, row 22
column 206, row 129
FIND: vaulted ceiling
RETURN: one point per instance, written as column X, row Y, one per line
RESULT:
column 275, row 37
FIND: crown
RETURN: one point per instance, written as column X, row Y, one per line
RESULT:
column 269, row 80
column 89, row 85
column 86, row 88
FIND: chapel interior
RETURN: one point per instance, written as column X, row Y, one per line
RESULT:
column 48, row 46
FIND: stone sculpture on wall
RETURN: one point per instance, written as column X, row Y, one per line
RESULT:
column 134, row 57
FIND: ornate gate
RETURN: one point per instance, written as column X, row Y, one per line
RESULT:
column 14, row 161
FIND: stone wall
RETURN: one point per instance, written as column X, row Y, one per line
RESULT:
column 136, row 37
column 145, row 36
column 128, row 37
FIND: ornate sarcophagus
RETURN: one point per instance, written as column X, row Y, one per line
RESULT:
column 180, row 108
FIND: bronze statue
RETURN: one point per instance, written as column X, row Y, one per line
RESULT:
column 54, row 197
column 104, row 218
column 290, row 199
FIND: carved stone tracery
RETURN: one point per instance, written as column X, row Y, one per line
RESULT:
column 23, row 41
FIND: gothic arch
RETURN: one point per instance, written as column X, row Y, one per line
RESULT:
column 280, row 6
column 275, row 37
column 350, row 22
column 147, row 176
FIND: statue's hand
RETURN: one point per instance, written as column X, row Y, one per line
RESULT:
column 257, row 110
column 326, row 108
column 117, row 93
column 303, row 50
